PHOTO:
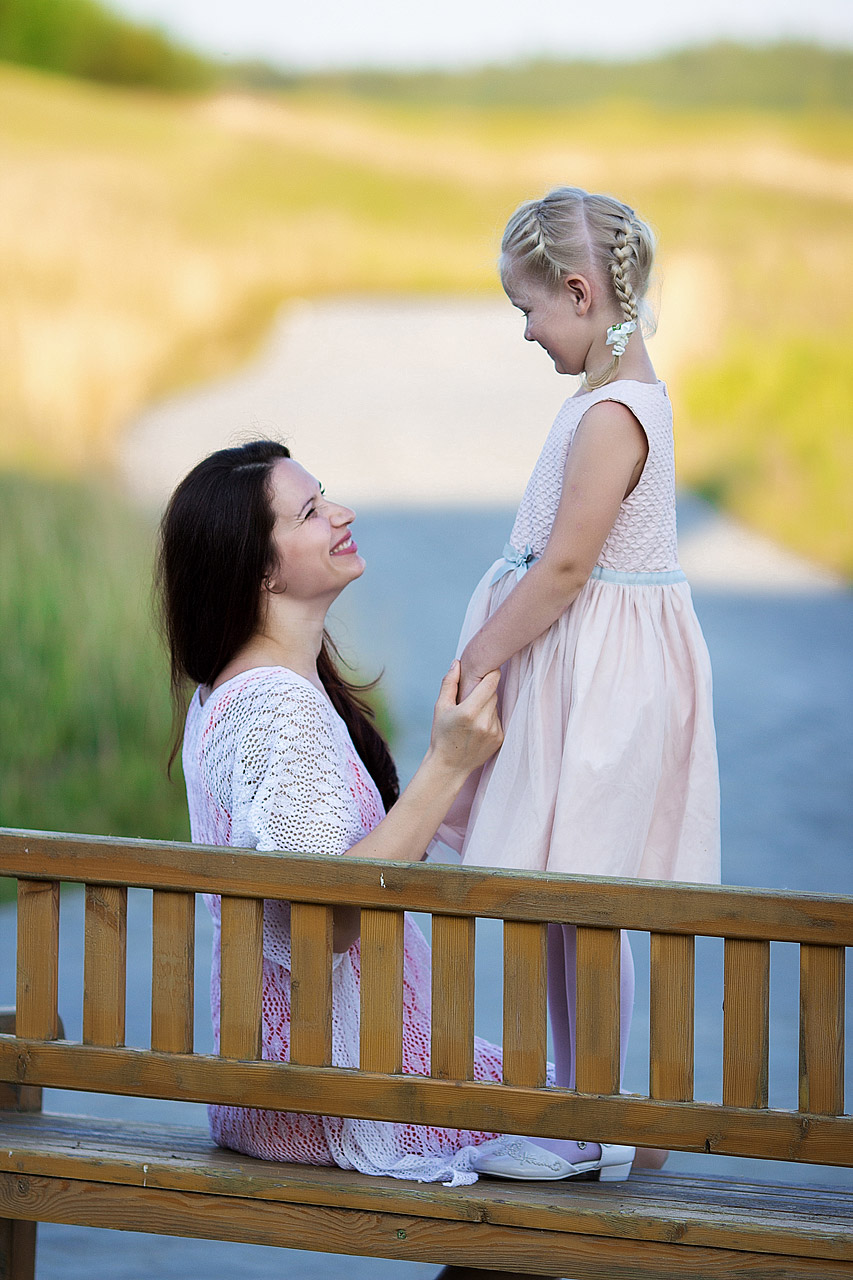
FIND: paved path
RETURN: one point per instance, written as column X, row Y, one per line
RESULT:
column 396, row 405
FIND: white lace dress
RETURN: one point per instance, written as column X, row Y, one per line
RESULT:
column 270, row 765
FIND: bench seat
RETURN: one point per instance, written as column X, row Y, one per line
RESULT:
column 172, row 1180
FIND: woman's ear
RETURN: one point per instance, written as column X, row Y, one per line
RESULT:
column 580, row 293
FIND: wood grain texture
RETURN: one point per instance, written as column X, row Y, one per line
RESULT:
column 105, row 964
column 403, row 1237
column 746, row 1022
column 693, row 1209
column 671, row 1016
column 172, row 971
column 37, row 1008
column 381, row 1046
column 822, row 1030
column 709, row 910
column 311, row 928
column 469, row 1104
column 599, row 953
column 452, row 1020
column 241, row 978
column 525, row 1016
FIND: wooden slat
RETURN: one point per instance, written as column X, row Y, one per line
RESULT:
column 381, row 991
column 692, row 1209
column 37, row 1008
column 311, row 929
column 172, row 971
column 241, row 978
column 405, row 1237
column 17, row 1250
column 597, row 1033
column 525, row 1019
column 452, row 1023
column 671, row 1016
column 105, row 965
column 826, row 919
column 467, row 1104
column 746, row 1022
column 822, row 1030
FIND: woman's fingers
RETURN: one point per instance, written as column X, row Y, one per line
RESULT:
column 449, row 690
column 484, row 691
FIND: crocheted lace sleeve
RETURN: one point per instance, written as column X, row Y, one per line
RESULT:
column 283, row 764
column 289, row 783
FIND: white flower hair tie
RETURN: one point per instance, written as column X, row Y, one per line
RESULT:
column 618, row 335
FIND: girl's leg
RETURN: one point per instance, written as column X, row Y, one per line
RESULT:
column 562, row 1008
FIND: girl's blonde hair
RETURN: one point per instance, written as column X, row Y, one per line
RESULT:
column 571, row 230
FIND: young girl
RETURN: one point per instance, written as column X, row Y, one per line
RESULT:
column 609, row 762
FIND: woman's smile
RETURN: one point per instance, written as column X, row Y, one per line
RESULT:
column 346, row 547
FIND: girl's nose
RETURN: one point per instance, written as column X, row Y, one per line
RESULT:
column 528, row 336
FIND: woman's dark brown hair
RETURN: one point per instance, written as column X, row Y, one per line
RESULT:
column 215, row 550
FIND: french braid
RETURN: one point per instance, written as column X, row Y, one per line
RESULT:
column 571, row 230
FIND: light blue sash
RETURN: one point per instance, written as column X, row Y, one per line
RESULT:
column 520, row 561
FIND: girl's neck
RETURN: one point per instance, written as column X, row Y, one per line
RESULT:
column 635, row 364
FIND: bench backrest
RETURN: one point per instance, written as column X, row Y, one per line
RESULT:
column 674, row 915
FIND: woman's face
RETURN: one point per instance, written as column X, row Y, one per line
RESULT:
column 317, row 556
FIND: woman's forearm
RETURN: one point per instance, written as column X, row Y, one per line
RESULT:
column 406, row 830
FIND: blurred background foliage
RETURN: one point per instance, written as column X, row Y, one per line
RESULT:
column 159, row 207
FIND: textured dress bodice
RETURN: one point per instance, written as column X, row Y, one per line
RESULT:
column 643, row 538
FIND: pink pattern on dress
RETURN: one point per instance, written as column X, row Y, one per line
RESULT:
column 269, row 765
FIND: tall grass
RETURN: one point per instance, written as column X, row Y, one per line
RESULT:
column 83, row 682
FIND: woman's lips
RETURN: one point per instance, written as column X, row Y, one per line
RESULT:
column 346, row 547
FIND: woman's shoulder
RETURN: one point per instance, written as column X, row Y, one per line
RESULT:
column 262, row 695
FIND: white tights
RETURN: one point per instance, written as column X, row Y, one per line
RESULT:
column 562, row 1002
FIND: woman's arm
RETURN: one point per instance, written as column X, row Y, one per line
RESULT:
column 464, row 736
column 604, row 463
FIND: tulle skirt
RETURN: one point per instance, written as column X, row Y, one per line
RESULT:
column 609, row 761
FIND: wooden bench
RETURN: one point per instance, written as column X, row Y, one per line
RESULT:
column 172, row 1180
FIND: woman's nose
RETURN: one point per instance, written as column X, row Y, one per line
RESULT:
column 528, row 336
column 343, row 515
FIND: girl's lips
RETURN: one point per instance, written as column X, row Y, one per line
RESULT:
column 346, row 547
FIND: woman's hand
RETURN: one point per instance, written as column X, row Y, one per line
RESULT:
column 465, row 734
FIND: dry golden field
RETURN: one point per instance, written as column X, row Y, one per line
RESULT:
column 145, row 242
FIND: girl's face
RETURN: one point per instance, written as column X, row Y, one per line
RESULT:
column 317, row 556
column 555, row 318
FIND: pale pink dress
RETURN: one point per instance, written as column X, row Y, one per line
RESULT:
column 609, row 763
column 270, row 765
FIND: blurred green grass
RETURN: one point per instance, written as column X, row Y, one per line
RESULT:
column 83, row 682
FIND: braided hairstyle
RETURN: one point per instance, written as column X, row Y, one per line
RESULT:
column 571, row 230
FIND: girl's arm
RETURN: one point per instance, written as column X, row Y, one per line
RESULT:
column 604, row 463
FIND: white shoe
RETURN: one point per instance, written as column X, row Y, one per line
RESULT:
column 519, row 1158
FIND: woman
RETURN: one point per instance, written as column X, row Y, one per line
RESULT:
column 280, row 752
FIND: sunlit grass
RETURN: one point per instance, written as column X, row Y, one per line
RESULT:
column 83, row 681
column 146, row 242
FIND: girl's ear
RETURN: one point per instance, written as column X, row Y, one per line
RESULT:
column 580, row 293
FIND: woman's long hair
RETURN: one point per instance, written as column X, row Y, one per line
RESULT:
column 215, row 551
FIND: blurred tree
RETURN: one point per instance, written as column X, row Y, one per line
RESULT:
column 82, row 38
